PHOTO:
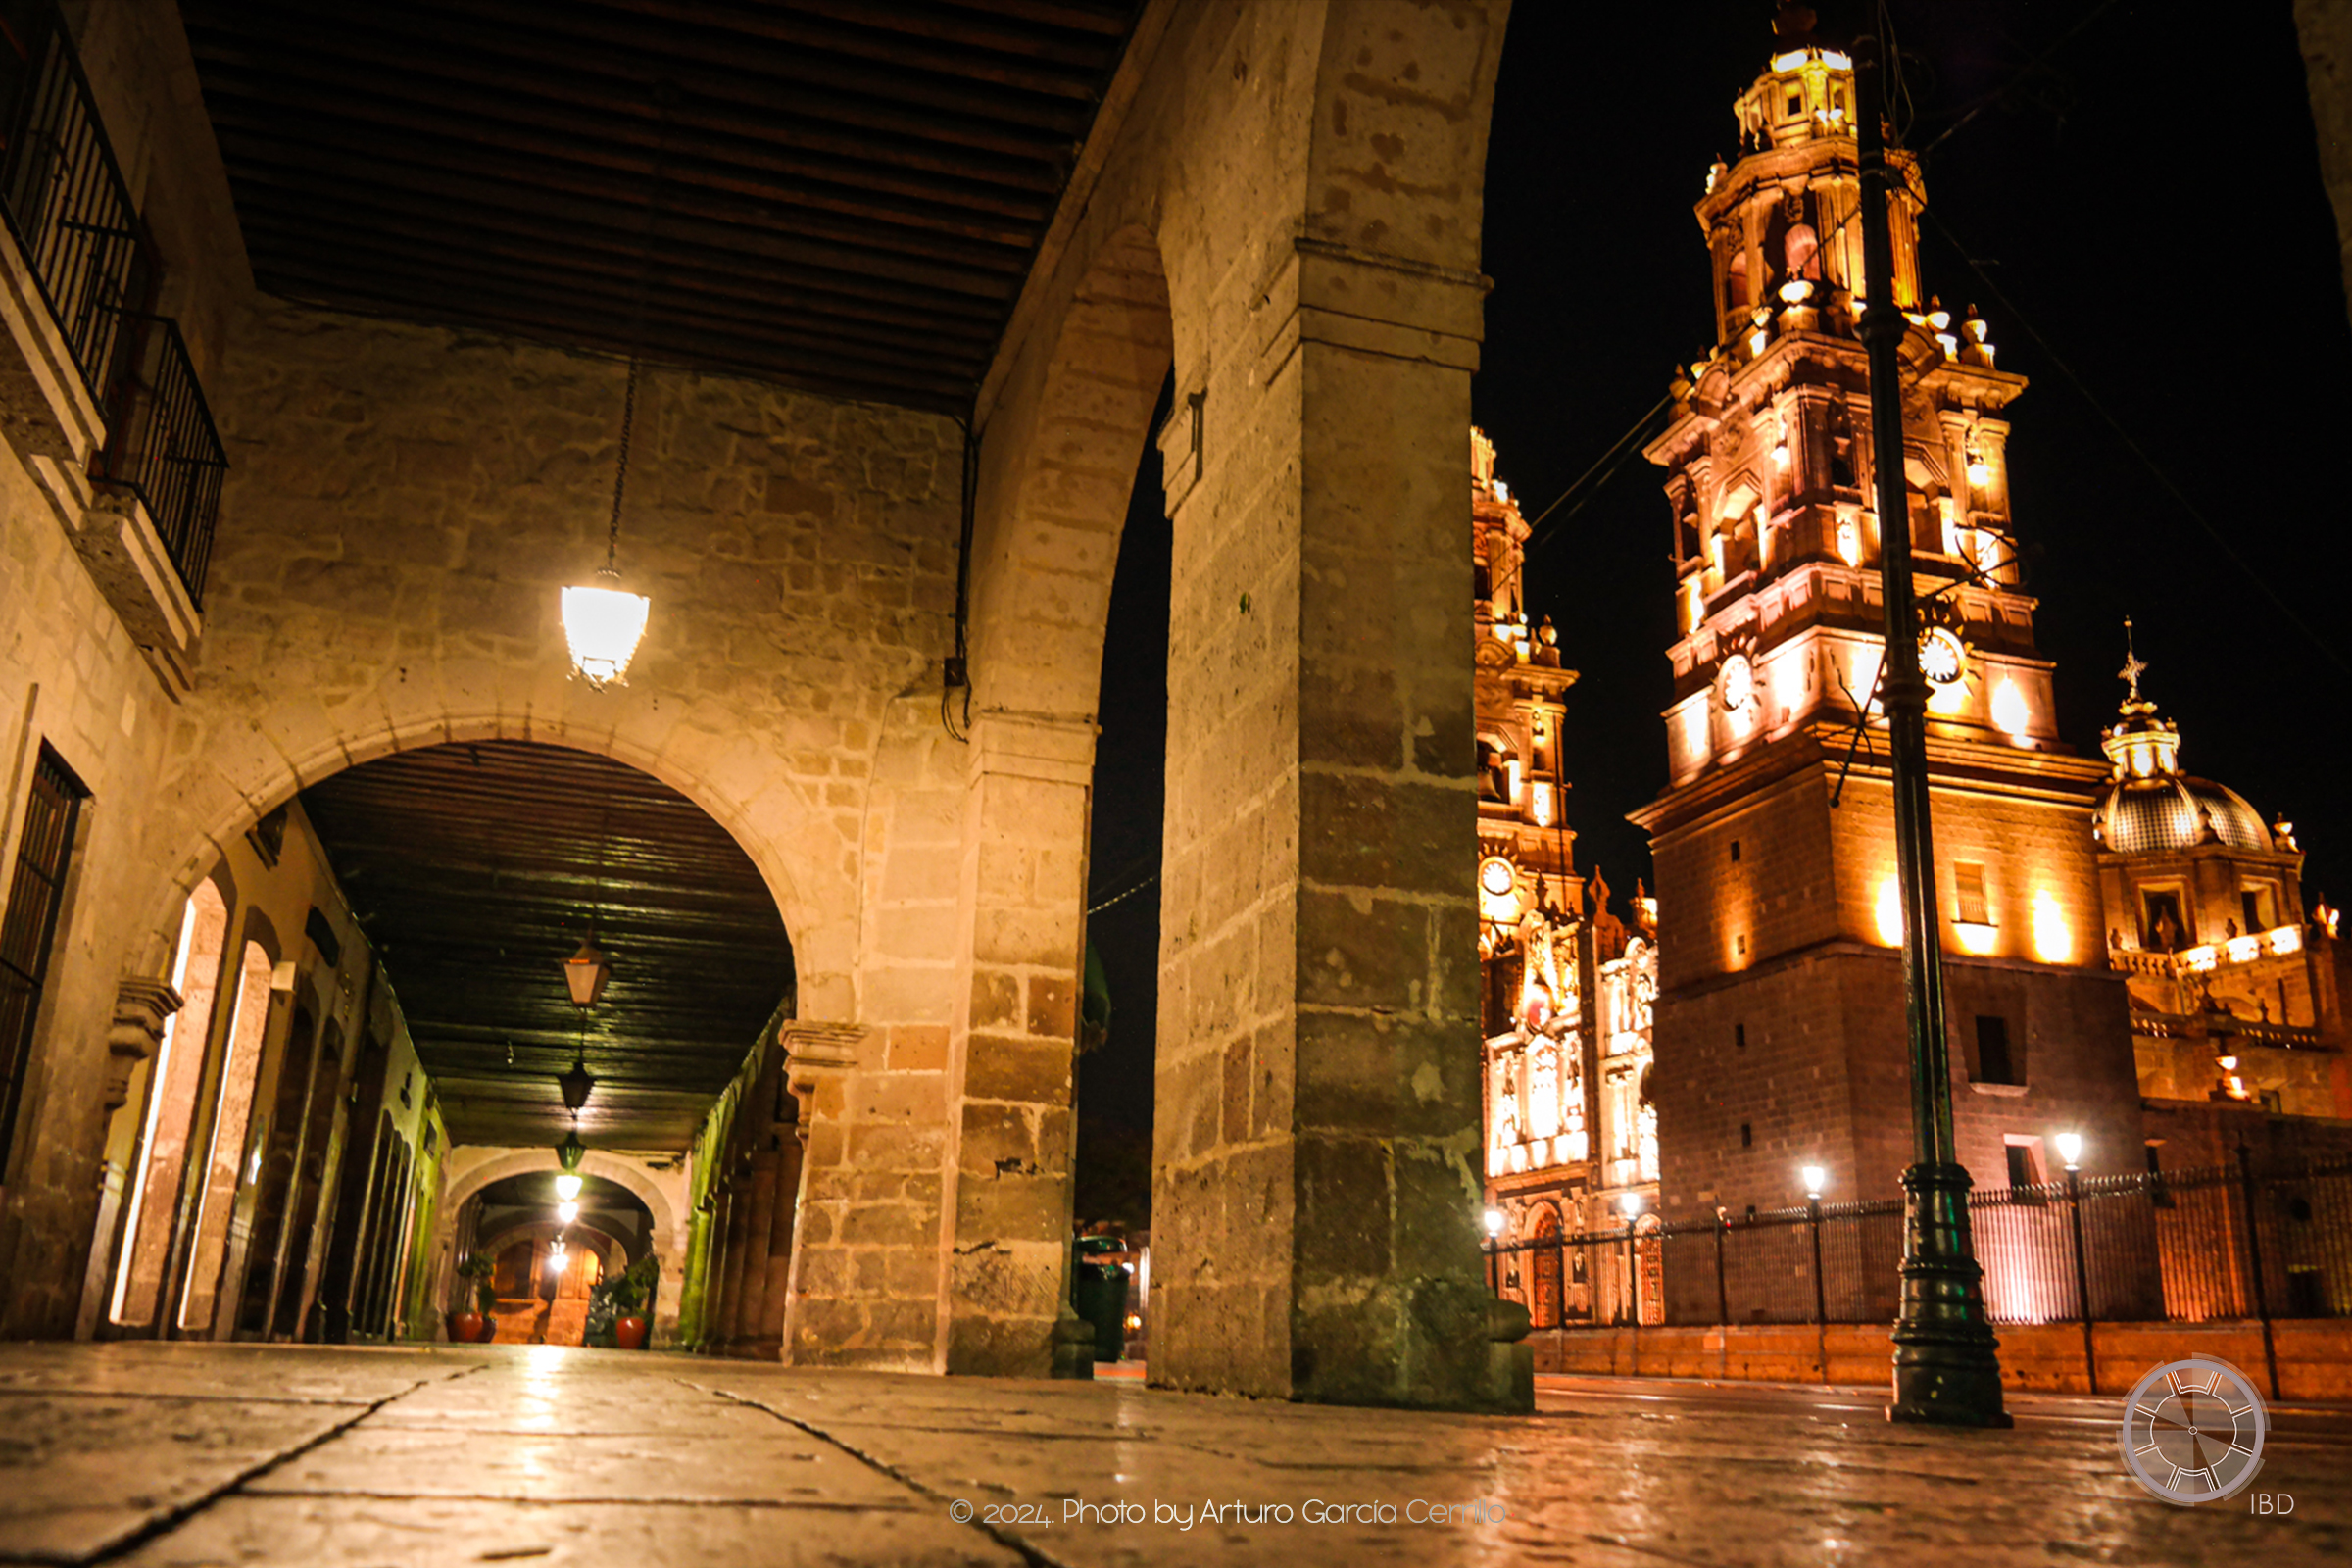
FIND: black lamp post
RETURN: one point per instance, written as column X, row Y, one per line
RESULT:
column 1946, row 1366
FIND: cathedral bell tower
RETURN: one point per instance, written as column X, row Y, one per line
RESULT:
column 1780, row 1029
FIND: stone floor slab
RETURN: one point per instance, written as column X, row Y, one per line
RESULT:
column 777, row 1467
column 87, row 1471
column 540, row 1454
column 432, row 1532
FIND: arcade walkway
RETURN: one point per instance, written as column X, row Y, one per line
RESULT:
column 183, row 1454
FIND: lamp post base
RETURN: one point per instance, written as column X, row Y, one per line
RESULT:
column 1946, row 1372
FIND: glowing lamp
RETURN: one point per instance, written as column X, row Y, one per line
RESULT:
column 585, row 973
column 603, row 624
column 566, row 1212
column 1979, row 473
column 568, row 1187
column 557, row 1259
column 2070, row 1149
column 1780, row 455
column 1630, row 1204
column 1815, row 1179
column 1494, row 1222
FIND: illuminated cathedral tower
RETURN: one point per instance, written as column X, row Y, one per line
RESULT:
column 1780, row 1031
column 1571, row 1136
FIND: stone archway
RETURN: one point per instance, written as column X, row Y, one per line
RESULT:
column 663, row 1191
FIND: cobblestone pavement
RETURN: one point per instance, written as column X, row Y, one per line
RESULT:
column 184, row 1453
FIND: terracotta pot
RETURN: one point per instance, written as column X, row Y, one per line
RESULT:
column 628, row 1333
column 489, row 1330
column 465, row 1328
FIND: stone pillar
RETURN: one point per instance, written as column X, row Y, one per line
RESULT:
column 763, row 1334
column 756, row 1204
column 863, row 1292
column 1006, row 1248
column 1315, row 1196
column 735, row 1215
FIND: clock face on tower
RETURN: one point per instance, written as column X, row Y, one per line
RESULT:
column 1738, row 684
column 1497, row 876
column 1942, row 657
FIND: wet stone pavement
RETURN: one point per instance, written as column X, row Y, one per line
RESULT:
column 155, row 1454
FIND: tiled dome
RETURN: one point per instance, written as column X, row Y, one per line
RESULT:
column 2152, row 816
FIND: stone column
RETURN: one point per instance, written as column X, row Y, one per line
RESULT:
column 1316, row 1191
column 755, row 1203
column 860, row 1171
column 1006, row 1248
column 735, row 1214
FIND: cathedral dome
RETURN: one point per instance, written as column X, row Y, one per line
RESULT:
column 2150, row 806
column 2176, row 812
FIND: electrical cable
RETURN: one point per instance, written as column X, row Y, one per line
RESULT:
column 2196, row 514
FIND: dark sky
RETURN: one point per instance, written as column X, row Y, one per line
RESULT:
column 2149, row 199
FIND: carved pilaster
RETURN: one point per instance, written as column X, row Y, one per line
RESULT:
column 141, row 1007
column 813, row 1053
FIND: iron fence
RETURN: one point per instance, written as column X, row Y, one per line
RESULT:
column 64, row 199
column 2227, row 1241
column 162, row 445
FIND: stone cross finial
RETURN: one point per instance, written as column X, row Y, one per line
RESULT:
column 2134, row 666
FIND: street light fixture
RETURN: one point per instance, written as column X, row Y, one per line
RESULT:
column 2070, row 1149
column 568, row 1187
column 1946, row 1368
column 1630, row 1204
column 1816, row 1181
column 1495, row 1222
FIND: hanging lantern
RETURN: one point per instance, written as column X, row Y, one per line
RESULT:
column 603, row 623
column 575, row 1081
column 570, row 1151
column 585, row 973
column 567, row 1185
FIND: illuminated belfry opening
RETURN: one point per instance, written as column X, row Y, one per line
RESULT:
column 1779, row 948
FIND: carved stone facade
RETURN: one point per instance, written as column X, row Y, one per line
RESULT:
column 1571, row 1136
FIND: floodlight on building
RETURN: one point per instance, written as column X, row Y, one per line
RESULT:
column 1815, row 1179
column 568, row 1187
column 2070, row 1149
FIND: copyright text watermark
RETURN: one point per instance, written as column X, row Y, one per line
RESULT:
column 1209, row 1511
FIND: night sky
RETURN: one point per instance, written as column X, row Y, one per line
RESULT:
column 2148, row 198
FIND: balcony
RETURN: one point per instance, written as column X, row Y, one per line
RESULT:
column 98, row 397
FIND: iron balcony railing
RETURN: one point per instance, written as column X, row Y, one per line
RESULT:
column 162, row 445
column 2244, row 1242
column 65, row 198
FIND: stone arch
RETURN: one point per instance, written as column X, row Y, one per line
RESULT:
column 1056, row 472
column 595, row 1162
column 771, row 824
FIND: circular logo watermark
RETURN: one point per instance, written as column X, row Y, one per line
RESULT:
column 2194, row 1430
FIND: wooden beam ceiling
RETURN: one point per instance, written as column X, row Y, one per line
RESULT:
column 839, row 195
column 476, row 868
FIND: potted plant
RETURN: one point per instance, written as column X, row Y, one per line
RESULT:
column 617, row 1308
column 475, row 1326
